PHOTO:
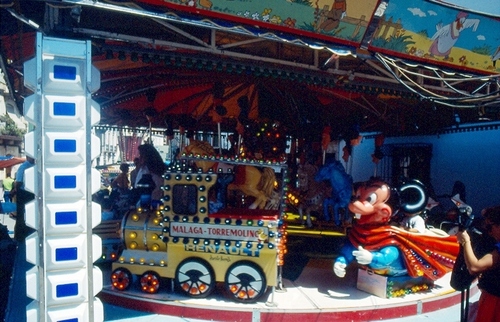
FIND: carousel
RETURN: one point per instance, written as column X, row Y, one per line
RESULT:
column 211, row 264
column 260, row 218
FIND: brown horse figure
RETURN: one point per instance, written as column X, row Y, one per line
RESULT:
column 248, row 179
column 201, row 148
column 255, row 183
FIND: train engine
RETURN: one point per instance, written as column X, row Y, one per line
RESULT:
column 203, row 234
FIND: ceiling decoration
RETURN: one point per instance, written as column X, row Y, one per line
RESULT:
column 305, row 80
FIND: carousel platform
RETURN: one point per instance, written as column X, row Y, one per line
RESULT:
column 316, row 295
column 310, row 292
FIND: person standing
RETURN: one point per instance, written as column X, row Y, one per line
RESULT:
column 21, row 231
column 152, row 167
column 7, row 184
column 487, row 267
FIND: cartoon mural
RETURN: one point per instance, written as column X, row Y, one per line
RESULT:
column 446, row 36
column 346, row 21
column 421, row 30
column 413, row 29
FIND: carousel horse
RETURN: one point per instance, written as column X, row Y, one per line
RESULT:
column 247, row 179
column 274, row 201
column 311, row 192
column 201, row 148
column 255, row 183
column 341, row 189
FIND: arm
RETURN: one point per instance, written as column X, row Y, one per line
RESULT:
column 474, row 23
column 343, row 260
column 476, row 265
column 114, row 183
column 15, row 188
column 441, row 31
column 383, row 258
column 157, row 193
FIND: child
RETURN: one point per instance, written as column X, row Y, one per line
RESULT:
column 413, row 223
column 121, row 182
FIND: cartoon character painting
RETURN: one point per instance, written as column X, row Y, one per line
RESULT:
column 446, row 36
column 391, row 251
column 333, row 16
column 441, row 35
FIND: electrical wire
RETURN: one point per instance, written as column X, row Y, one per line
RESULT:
column 464, row 100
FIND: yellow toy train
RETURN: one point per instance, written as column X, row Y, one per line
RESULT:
column 205, row 232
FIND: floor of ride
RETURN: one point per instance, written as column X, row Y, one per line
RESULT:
column 311, row 292
column 316, row 295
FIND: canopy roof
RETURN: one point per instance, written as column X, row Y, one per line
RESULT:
column 7, row 162
column 176, row 65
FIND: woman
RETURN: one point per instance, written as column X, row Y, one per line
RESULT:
column 487, row 267
column 151, row 163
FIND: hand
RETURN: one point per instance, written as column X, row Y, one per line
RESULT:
column 339, row 269
column 363, row 256
column 463, row 237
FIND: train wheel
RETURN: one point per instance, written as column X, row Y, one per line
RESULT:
column 195, row 278
column 245, row 281
column 150, row 282
column 121, row 279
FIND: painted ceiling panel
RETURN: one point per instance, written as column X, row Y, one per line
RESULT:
column 285, row 57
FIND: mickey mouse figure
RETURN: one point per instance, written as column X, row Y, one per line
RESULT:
column 388, row 250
